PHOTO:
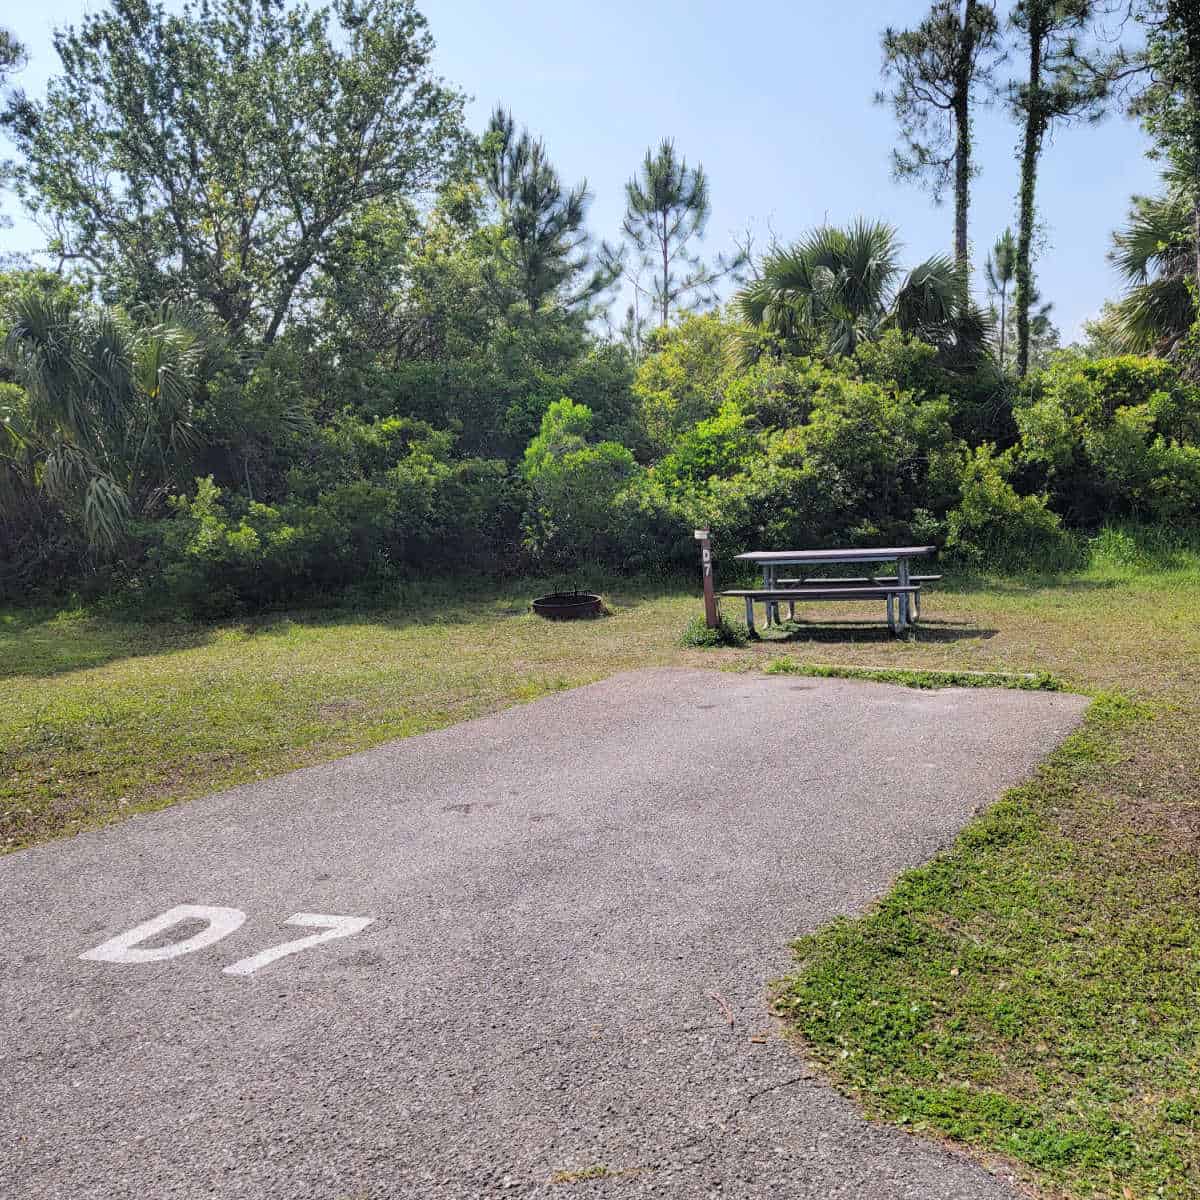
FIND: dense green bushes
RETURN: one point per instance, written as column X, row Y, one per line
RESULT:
column 993, row 526
column 1112, row 438
column 804, row 454
column 284, row 478
column 574, row 485
column 382, row 500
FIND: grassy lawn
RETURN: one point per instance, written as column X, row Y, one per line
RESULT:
column 1035, row 992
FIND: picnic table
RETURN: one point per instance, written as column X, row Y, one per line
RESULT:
column 901, row 591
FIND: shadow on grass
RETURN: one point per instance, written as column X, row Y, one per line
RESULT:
column 845, row 631
column 47, row 641
column 42, row 643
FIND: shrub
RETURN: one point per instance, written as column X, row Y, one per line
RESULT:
column 806, row 454
column 718, row 448
column 980, row 397
column 778, row 395
column 994, row 526
column 1111, row 438
column 681, row 382
column 218, row 553
column 698, row 635
column 573, row 487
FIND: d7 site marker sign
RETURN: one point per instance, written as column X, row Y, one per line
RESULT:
column 711, row 617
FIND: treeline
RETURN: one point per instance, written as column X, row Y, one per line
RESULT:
column 309, row 333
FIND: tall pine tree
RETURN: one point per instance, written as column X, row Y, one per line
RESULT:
column 666, row 212
column 1062, row 83
column 545, row 243
column 939, row 69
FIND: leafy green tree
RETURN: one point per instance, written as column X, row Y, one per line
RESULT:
column 667, row 208
column 839, row 287
column 215, row 153
column 108, row 420
column 680, row 382
column 545, row 244
column 444, row 303
column 355, row 305
column 1064, row 81
column 939, row 69
column 574, row 485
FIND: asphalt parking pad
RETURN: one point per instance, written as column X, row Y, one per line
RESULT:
column 494, row 960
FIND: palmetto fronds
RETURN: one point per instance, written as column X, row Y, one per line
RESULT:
column 1155, row 253
column 108, row 410
column 930, row 300
column 838, row 287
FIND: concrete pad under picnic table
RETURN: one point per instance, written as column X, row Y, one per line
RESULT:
column 569, row 904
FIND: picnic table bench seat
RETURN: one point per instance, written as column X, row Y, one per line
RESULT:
column 772, row 596
column 883, row 580
column 857, row 581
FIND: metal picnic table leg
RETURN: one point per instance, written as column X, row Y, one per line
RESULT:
column 902, row 581
column 750, row 615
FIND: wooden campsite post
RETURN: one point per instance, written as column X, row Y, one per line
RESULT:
column 711, row 618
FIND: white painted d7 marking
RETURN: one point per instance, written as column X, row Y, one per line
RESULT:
column 220, row 922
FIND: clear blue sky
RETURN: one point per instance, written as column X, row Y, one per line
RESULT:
column 778, row 108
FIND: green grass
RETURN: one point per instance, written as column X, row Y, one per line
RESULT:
column 1029, row 681
column 1033, row 993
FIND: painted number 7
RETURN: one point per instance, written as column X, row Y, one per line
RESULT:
column 219, row 922
column 331, row 927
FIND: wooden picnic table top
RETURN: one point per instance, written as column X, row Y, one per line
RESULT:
column 850, row 554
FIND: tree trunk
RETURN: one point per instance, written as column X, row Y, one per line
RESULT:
column 962, row 186
column 666, row 257
column 1003, row 324
column 962, row 137
column 1035, row 127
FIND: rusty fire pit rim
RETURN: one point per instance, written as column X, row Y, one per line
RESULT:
column 567, row 606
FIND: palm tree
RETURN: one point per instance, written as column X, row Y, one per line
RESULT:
column 106, row 419
column 1001, row 272
column 1156, row 254
column 838, row 287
